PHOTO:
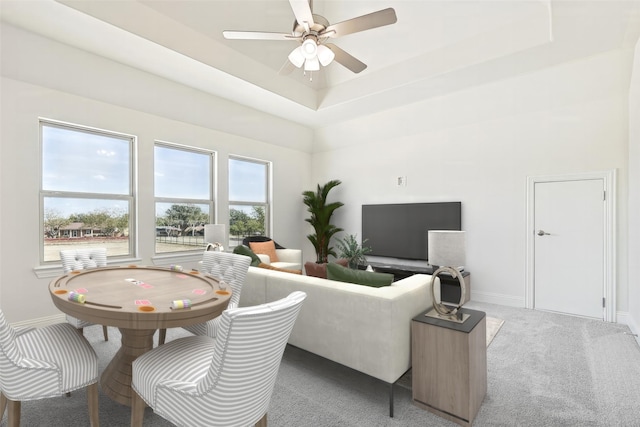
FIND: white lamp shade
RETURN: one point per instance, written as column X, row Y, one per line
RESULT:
column 215, row 233
column 296, row 57
column 309, row 49
column 325, row 55
column 312, row 64
column 447, row 248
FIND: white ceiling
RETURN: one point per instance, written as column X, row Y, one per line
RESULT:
column 436, row 47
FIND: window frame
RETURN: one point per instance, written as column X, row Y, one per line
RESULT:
column 267, row 204
column 130, row 198
column 211, row 201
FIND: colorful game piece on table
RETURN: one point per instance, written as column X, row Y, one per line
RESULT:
column 180, row 303
column 199, row 291
column 142, row 302
column 81, row 290
column 176, row 268
column 74, row 296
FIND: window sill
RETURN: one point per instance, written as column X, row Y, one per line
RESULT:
column 176, row 258
column 51, row 271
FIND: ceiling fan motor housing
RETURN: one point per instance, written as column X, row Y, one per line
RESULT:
column 320, row 23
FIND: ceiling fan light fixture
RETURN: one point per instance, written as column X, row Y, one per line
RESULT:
column 309, row 48
column 325, row 55
column 312, row 64
column 296, row 57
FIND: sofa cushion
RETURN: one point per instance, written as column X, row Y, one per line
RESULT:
column 285, row 270
column 267, row 248
column 360, row 277
column 243, row 250
column 320, row 270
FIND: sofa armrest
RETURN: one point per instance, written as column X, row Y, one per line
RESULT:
column 289, row 258
column 289, row 255
column 264, row 258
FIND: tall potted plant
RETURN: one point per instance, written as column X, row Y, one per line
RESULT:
column 321, row 212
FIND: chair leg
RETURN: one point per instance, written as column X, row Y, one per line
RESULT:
column 3, row 404
column 262, row 422
column 92, row 401
column 137, row 409
column 162, row 335
column 14, row 413
column 105, row 333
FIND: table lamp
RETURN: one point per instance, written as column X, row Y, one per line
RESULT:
column 215, row 236
column 447, row 254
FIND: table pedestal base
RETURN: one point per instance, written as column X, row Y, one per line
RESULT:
column 115, row 381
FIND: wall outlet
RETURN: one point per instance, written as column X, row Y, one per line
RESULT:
column 402, row 181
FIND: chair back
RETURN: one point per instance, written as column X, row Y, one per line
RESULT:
column 9, row 352
column 12, row 363
column 247, row 356
column 232, row 268
column 79, row 259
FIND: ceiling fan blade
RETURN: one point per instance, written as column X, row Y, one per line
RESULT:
column 346, row 59
column 257, row 35
column 302, row 11
column 361, row 23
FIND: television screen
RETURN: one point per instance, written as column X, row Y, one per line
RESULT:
column 400, row 230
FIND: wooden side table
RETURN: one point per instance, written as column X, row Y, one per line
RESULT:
column 449, row 373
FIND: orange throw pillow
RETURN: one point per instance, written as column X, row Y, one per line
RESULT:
column 266, row 248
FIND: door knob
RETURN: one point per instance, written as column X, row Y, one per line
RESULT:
column 543, row 233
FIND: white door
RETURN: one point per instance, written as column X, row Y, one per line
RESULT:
column 569, row 247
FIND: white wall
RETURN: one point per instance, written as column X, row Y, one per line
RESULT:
column 479, row 146
column 95, row 92
column 634, row 195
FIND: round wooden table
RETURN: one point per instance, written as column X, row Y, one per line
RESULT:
column 136, row 300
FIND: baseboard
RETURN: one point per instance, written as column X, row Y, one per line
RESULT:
column 500, row 299
column 626, row 319
column 40, row 321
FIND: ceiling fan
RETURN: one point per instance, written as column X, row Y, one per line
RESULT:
column 313, row 31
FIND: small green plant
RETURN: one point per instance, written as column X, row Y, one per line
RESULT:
column 350, row 249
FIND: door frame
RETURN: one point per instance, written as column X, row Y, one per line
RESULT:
column 609, row 178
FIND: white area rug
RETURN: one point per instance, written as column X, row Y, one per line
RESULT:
column 493, row 326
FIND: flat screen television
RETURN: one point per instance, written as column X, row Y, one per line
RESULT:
column 400, row 230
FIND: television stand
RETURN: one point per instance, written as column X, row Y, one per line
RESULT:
column 449, row 286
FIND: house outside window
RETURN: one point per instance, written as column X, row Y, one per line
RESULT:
column 86, row 190
column 183, row 188
column 249, row 198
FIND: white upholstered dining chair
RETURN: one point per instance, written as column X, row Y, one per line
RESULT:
column 223, row 381
column 80, row 259
column 232, row 268
column 42, row 363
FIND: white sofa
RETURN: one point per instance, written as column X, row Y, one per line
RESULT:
column 365, row 328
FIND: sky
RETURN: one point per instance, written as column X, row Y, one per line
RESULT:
column 85, row 162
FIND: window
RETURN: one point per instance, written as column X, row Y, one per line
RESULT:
column 248, row 199
column 184, row 196
column 86, row 192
